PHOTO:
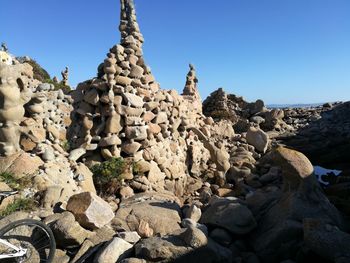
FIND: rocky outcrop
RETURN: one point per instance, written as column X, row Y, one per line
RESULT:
column 280, row 232
column 321, row 133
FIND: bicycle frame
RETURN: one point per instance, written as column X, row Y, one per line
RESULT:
column 20, row 252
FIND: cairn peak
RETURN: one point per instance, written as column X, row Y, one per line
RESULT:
column 129, row 28
column 190, row 91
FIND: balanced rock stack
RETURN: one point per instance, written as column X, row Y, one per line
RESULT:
column 33, row 146
column 124, row 113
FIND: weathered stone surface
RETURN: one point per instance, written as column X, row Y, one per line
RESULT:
column 327, row 240
column 229, row 214
column 90, row 210
column 133, row 100
column 295, row 166
column 20, row 164
column 137, row 133
column 194, row 237
column 161, row 215
column 130, row 236
column 67, row 231
column 194, row 213
column 258, row 138
column 114, row 251
column 76, row 154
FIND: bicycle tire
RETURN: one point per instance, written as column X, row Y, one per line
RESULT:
column 36, row 223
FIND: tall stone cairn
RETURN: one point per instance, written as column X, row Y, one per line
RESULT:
column 124, row 113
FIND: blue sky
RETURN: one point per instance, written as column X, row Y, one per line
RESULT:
column 281, row 51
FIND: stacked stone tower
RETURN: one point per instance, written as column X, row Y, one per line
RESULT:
column 123, row 112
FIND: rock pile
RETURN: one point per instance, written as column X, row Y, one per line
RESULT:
column 214, row 188
column 124, row 113
column 34, row 120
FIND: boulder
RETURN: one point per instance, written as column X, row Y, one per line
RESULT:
column 280, row 233
column 67, row 231
column 90, row 210
column 327, row 240
column 194, row 237
column 258, row 138
column 229, row 214
column 295, row 166
column 115, row 250
column 161, row 213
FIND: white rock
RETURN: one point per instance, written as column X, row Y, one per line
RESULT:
column 76, row 154
column 258, row 138
column 130, row 236
column 115, row 250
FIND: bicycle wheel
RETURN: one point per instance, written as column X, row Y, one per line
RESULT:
column 32, row 235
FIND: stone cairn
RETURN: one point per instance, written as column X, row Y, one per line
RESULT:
column 65, row 74
column 124, row 113
column 34, row 118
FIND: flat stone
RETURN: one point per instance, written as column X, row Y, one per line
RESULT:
column 76, row 154
column 130, row 147
column 110, row 141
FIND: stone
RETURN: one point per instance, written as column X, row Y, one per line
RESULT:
column 126, row 192
column 148, row 116
column 60, row 257
column 75, row 154
column 295, row 166
column 133, row 100
column 163, row 216
column 20, row 165
column 67, row 231
column 92, row 97
column 86, row 181
column 136, row 72
column 229, row 214
column 110, row 141
column 137, row 133
column 194, row 213
column 187, row 222
column 161, row 117
column 130, row 147
column 194, row 237
column 326, row 240
column 155, row 175
column 258, row 138
column 130, row 237
column 154, row 128
column 124, row 81
column 114, row 251
column 144, row 229
column 280, row 231
column 222, row 236
column 91, row 211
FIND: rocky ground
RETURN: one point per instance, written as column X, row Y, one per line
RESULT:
column 124, row 171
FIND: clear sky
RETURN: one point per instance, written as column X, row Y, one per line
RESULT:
column 282, row 51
